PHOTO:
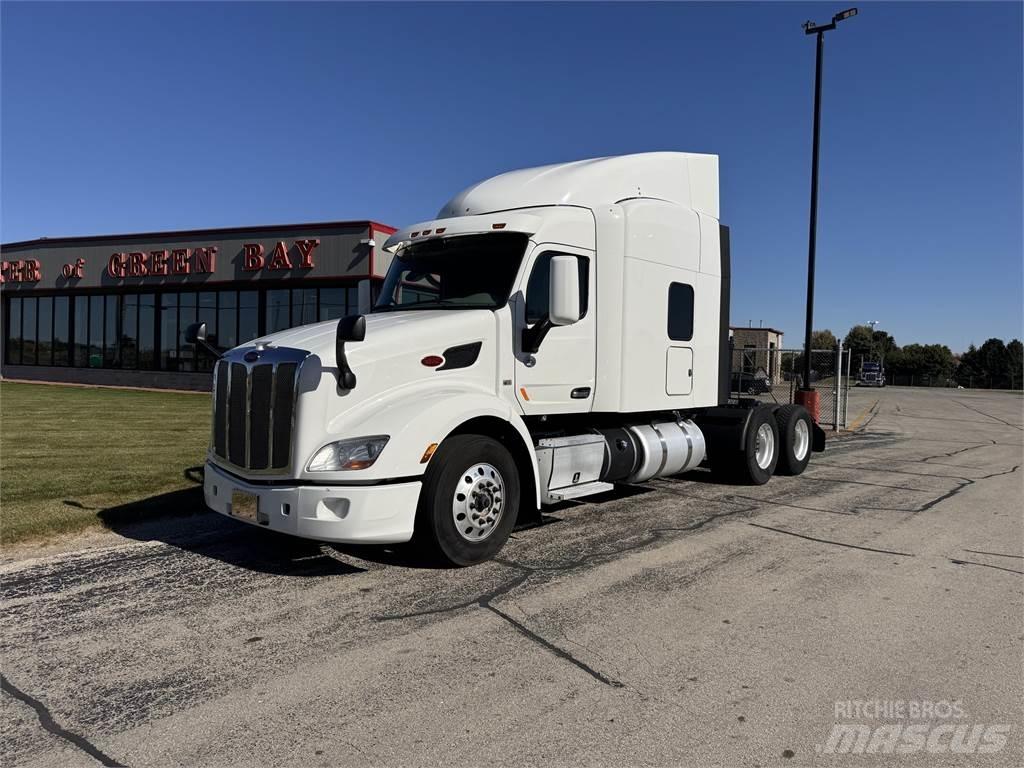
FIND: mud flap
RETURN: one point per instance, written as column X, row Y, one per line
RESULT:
column 818, row 438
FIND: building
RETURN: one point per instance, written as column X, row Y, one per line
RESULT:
column 114, row 309
column 757, row 351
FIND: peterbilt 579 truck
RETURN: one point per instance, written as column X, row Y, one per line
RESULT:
column 555, row 331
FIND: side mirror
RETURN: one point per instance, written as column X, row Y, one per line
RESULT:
column 364, row 292
column 564, row 286
column 195, row 334
column 350, row 328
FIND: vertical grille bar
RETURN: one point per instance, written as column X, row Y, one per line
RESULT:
column 284, row 403
column 236, row 414
column 220, row 406
column 261, row 379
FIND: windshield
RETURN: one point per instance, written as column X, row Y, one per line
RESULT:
column 464, row 272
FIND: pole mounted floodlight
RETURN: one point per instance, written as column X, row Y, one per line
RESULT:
column 806, row 395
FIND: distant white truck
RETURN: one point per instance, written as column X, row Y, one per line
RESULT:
column 553, row 332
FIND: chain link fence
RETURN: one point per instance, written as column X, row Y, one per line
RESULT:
column 774, row 375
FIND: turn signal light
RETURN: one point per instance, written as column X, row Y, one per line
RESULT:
column 428, row 453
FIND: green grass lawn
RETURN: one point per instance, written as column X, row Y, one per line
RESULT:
column 75, row 457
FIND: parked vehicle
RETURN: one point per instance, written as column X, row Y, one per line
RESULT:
column 871, row 374
column 751, row 383
column 553, row 332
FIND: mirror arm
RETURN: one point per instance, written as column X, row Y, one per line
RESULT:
column 533, row 337
column 195, row 335
column 209, row 348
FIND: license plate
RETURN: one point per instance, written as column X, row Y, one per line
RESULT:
column 245, row 505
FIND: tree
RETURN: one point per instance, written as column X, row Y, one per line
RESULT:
column 823, row 339
column 995, row 362
column 859, row 341
column 1015, row 363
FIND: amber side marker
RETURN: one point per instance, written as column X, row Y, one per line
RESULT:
column 522, row 391
column 428, row 453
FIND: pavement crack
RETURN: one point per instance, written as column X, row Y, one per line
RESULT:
column 988, row 415
column 50, row 725
column 957, row 561
column 556, row 650
column 829, row 541
column 993, row 554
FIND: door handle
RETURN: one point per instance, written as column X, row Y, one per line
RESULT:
column 580, row 393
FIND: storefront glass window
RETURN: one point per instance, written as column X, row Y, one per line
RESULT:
column 303, row 306
column 129, row 330
column 227, row 320
column 333, row 303
column 44, row 345
column 28, row 331
column 14, row 332
column 277, row 310
column 186, row 317
column 61, row 321
column 81, row 331
column 169, row 332
column 147, row 323
column 110, row 334
column 95, row 331
column 248, row 316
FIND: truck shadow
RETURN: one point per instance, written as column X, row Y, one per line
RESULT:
column 181, row 520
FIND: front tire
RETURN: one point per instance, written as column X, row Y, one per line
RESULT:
column 469, row 501
column 795, row 438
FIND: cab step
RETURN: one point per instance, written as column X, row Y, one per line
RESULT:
column 576, row 491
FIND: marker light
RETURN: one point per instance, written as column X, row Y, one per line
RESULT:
column 432, row 361
column 356, row 453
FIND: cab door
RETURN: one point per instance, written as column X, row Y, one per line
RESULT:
column 559, row 377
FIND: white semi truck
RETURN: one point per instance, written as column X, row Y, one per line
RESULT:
column 555, row 331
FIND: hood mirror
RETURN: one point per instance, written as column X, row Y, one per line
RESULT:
column 350, row 328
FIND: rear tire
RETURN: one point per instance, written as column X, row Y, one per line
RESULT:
column 755, row 464
column 795, row 439
column 469, row 501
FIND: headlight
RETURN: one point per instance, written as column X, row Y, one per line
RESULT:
column 356, row 453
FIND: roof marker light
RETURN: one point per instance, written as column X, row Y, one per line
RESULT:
column 498, row 226
column 414, row 234
column 440, row 230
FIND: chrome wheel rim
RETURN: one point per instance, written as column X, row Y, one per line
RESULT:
column 478, row 502
column 801, row 440
column 764, row 446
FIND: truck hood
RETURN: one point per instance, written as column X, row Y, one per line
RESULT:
column 388, row 367
column 399, row 336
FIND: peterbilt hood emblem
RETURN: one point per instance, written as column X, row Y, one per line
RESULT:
column 251, row 356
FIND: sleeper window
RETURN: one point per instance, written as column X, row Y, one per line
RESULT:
column 680, row 312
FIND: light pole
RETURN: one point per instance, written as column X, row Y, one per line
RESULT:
column 806, row 395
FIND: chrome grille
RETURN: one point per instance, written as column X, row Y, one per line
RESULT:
column 254, row 408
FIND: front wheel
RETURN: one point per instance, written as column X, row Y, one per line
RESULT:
column 469, row 500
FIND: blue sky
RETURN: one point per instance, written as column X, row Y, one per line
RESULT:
column 138, row 116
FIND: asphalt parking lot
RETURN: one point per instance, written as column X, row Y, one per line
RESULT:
column 683, row 624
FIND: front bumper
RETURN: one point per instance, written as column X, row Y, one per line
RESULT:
column 354, row 514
